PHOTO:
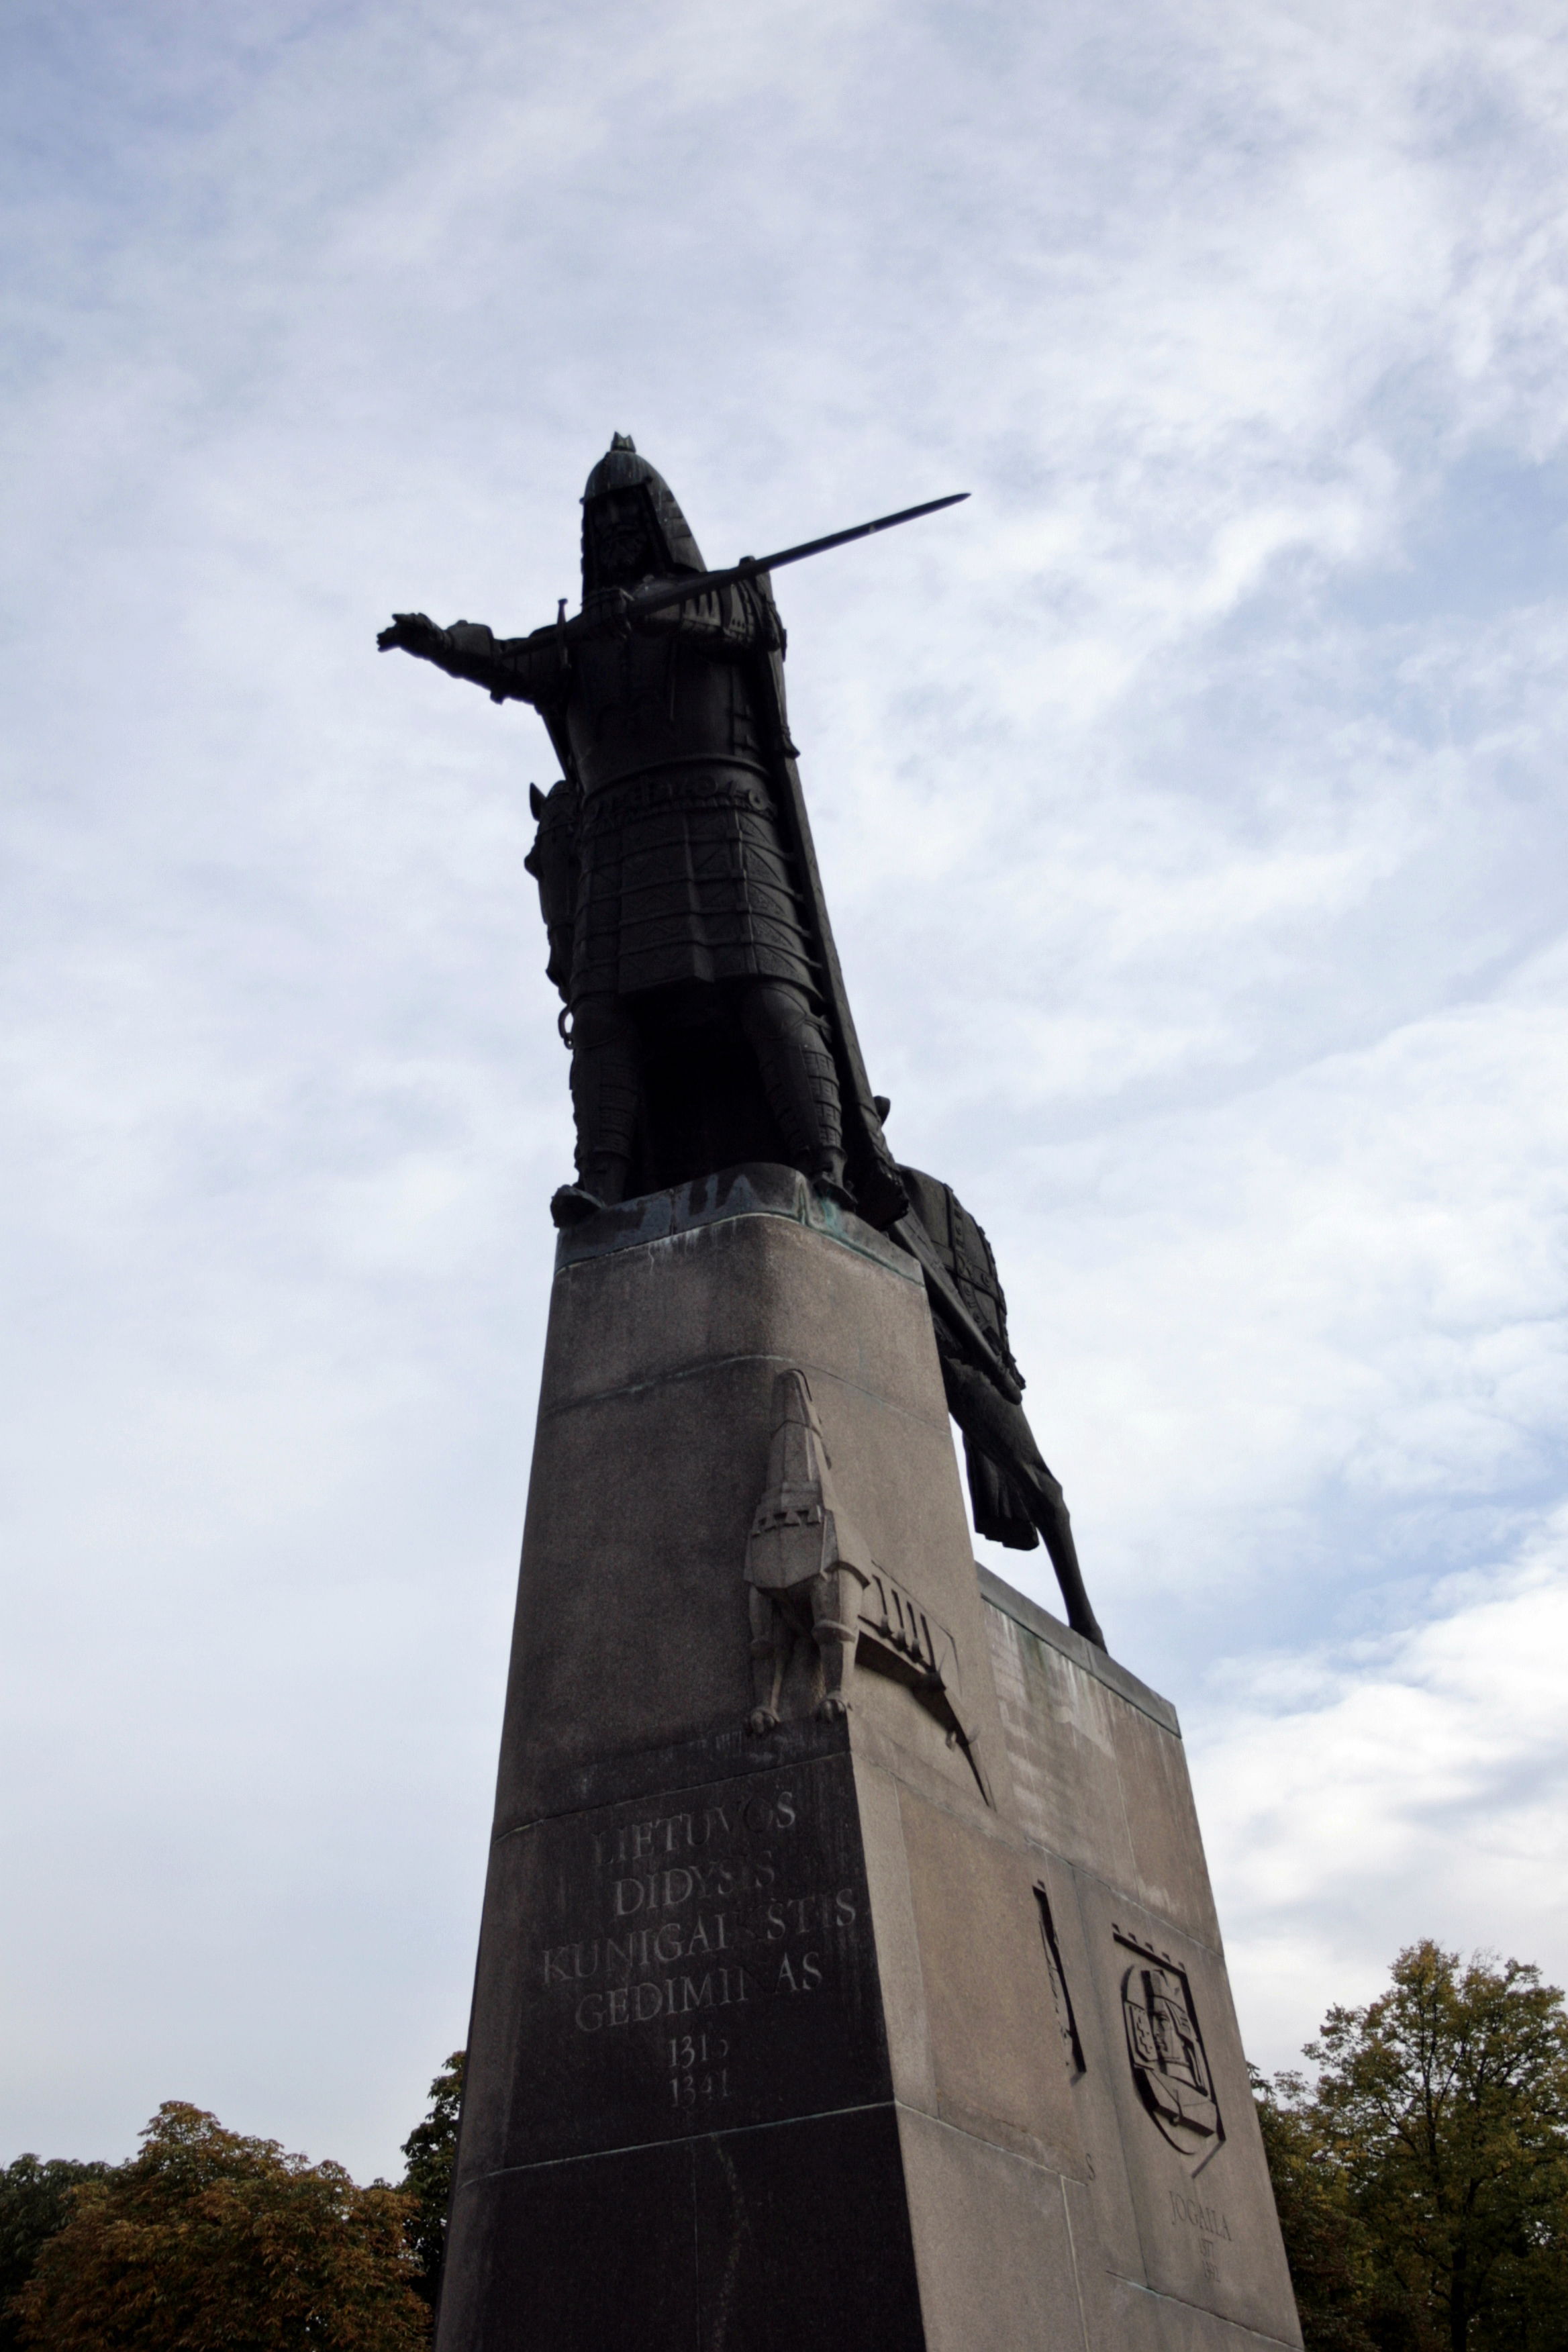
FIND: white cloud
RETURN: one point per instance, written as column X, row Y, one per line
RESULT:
column 1190, row 806
column 1356, row 1799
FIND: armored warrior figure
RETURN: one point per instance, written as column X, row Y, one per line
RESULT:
column 688, row 933
column 806, row 1564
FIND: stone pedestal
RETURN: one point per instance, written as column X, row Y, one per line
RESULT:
column 902, row 2029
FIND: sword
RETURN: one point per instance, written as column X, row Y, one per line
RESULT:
column 655, row 600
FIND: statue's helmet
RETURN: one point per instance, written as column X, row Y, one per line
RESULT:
column 632, row 527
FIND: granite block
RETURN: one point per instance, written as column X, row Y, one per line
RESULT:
column 760, row 2241
column 823, row 2037
column 993, row 2245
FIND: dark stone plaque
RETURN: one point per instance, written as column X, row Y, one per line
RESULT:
column 691, row 1963
column 683, row 2083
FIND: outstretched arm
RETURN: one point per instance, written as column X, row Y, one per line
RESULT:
column 520, row 669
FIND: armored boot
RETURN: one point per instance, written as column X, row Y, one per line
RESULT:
column 800, row 1080
column 835, row 1628
column 604, row 1094
column 770, row 1645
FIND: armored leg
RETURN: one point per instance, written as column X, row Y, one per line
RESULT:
column 1001, row 1431
column 835, row 1628
column 605, row 1090
column 799, row 1077
column 772, row 1642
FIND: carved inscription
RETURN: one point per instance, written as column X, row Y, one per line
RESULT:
column 1210, row 2225
column 636, row 1988
column 706, row 1962
column 696, row 2068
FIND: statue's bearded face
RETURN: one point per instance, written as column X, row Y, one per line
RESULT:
column 622, row 548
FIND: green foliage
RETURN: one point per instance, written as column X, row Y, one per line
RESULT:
column 1329, row 2253
column 210, row 2243
column 1423, row 2179
column 35, row 2201
column 431, row 2148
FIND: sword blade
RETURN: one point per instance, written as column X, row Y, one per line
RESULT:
column 677, row 592
column 842, row 538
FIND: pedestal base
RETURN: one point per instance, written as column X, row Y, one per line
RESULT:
column 906, row 2031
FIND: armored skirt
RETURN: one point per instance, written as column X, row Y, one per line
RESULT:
column 684, row 876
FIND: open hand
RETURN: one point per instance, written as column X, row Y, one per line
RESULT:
column 413, row 632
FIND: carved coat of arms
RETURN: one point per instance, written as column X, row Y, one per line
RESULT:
column 1170, row 2064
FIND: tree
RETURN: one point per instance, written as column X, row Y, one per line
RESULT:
column 1325, row 2243
column 210, row 2243
column 1438, row 2126
column 35, row 2197
column 431, row 2148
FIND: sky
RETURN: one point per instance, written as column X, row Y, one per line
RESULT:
column 1191, row 810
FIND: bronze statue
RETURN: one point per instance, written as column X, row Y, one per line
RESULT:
column 1011, row 1492
column 689, row 940
column 709, row 1021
